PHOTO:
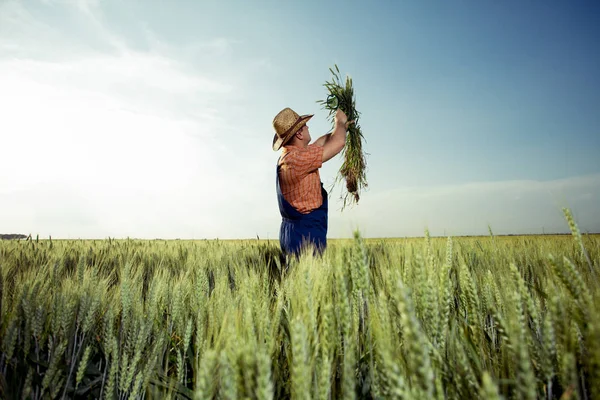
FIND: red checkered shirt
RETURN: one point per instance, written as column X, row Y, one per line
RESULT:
column 299, row 176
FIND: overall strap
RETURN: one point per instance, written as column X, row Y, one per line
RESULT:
column 286, row 209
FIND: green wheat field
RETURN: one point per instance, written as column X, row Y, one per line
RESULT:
column 424, row 318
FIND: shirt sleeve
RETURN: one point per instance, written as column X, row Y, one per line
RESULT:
column 309, row 160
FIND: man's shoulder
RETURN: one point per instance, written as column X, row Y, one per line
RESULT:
column 291, row 153
column 301, row 155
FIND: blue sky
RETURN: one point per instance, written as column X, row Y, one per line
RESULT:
column 153, row 119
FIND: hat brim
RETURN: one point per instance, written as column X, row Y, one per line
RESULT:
column 280, row 141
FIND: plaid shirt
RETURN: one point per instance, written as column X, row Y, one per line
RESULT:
column 299, row 177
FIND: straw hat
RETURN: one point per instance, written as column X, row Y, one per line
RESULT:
column 286, row 124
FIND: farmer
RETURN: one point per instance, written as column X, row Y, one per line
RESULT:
column 301, row 196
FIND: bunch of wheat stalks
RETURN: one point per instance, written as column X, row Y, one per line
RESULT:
column 353, row 168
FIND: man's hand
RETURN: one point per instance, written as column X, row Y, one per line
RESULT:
column 341, row 120
column 340, row 117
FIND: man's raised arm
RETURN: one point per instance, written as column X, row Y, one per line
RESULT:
column 335, row 141
column 323, row 139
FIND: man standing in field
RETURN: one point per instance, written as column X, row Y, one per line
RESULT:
column 301, row 196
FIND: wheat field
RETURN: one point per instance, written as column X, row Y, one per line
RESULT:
column 424, row 318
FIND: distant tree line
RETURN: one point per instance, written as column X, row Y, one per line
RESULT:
column 9, row 236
